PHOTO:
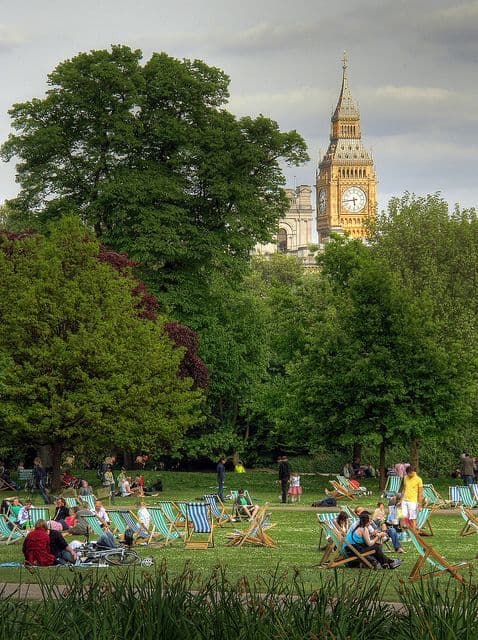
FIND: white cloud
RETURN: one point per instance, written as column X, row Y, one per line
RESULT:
column 411, row 94
column 11, row 37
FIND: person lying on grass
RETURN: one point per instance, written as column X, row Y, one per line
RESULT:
column 244, row 507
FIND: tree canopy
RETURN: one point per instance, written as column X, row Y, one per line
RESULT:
column 78, row 367
column 151, row 159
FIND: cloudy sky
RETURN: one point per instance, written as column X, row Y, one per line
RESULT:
column 412, row 69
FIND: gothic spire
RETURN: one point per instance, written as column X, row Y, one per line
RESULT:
column 346, row 107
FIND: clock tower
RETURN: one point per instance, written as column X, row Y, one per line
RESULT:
column 345, row 180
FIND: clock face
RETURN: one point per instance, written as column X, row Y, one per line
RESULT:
column 353, row 199
column 322, row 200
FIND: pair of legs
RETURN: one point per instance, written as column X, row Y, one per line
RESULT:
column 378, row 555
column 284, row 488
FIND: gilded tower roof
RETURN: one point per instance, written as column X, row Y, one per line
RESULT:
column 346, row 107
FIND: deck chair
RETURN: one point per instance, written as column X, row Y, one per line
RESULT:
column 10, row 532
column 326, row 516
column 471, row 522
column 467, row 497
column 438, row 563
column 94, row 525
column 392, row 488
column 37, row 513
column 238, row 514
column 423, row 522
column 355, row 491
column 432, row 498
column 172, row 514
column 334, row 554
column 454, row 496
column 117, row 522
column 6, row 486
column 474, row 491
column 137, row 527
column 256, row 533
column 89, row 500
column 200, row 524
column 339, row 491
column 163, row 530
column 218, row 509
column 71, row 502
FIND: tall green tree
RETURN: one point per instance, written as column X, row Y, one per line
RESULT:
column 374, row 367
column 78, row 368
column 151, row 159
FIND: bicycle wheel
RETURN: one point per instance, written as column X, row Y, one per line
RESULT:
column 122, row 557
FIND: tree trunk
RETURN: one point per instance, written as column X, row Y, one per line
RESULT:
column 127, row 460
column 415, row 452
column 357, row 452
column 57, row 451
column 381, row 466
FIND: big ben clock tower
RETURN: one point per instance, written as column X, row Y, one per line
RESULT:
column 345, row 180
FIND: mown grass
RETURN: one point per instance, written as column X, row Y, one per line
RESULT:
column 296, row 534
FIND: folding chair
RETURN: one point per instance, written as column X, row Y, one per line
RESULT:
column 218, row 510
column 326, row 516
column 162, row 530
column 200, row 519
column 339, row 491
column 335, row 552
column 454, row 495
column 392, row 488
column 137, row 527
column 432, row 498
column 355, row 491
column 172, row 514
column 90, row 501
column 467, row 497
column 474, row 491
column 71, row 502
column 118, row 524
column 9, row 532
column 423, row 520
column 471, row 522
column 35, row 514
column 256, row 533
column 438, row 563
column 93, row 524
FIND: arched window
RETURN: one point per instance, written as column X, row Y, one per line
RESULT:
column 282, row 241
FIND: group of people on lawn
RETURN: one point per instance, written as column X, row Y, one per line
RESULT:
column 370, row 530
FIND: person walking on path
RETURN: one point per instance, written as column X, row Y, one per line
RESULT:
column 412, row 497
column 284, row 477
column 221, row 477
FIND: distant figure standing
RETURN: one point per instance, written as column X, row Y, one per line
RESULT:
column 284, row 476
column 295, row 490
column 221, row 477
column 467, row 468
column 412, row 496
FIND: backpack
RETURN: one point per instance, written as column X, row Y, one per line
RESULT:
column 129, row 537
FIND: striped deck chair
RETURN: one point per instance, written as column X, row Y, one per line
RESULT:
column 474, row 491
column 201, row 524
column 237, row 513
column 326, row 516
column 37, row 513
column 218, row 510
column 182, row 506
column 334, row 554
column 438, row 563
column 454, row 495
column 433, row 500
column 94, row 525
column 471, row 522
column 339, row 491
column 172, row 514
column 89, row 500
column 118, row 523
column 7, row 534
column 467, row 497
column 162, row 531
column 256, row 532
column 392, row 488
column 137, row 527
column 355, row 491
column 71, row 502
column 423, row 522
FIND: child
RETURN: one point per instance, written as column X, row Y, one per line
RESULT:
column 295, row 489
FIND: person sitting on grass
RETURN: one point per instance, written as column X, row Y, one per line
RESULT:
column 359, row 537
column 107, row 539
column 85, row 489
column 244, row 507
column 36, row 546
column 63, row 552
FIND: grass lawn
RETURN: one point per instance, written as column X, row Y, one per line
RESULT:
column 296, row 534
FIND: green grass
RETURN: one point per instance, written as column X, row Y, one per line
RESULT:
column 296, row 534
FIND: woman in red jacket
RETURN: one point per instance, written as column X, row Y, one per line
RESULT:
column 36, row 546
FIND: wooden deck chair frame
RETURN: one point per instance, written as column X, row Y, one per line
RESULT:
column 427, row 554
column 255, row 533
column 134, row 523
column 173, row 514
column 162, row 531
column 117, row 522
column 392, row 487
column 471, row 522
column 200, row 522
column 424, row 526
column 10, row 535
column 89, row 501
column 325, row 516
column 335, row 549
column 432, row 500
column 355, row 491
column 6, row 486
column 340, row 491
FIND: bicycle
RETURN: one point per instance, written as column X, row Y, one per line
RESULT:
column 89, row 555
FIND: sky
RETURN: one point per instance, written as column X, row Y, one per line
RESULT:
column 413, row 69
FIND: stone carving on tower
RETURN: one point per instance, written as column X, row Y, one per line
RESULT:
column 345, row 181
